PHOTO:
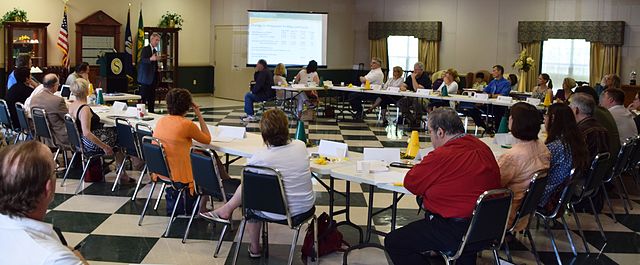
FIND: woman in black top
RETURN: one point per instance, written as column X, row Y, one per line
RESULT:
column 96, row 139
column 18, row 93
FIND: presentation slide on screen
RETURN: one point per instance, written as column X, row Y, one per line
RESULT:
column 289, row 38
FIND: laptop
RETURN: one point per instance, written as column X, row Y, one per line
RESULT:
column 65, row 91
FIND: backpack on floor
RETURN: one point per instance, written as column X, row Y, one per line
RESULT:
column 329, row 238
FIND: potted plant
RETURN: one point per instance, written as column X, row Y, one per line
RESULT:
column 17, row 15
column 170, row 20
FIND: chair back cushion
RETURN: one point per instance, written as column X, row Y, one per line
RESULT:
column 126, row 137
column 142, row 130
column 40, row 123
column 5, row 118
column 532, row 195
column 490, row 217
column 262, row 191
column 22, row 117
column 596, row 174
column 155, row 159
column 626, row 151
column 72, row 132
column 205, row 174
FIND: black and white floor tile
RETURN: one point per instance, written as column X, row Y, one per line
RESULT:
column 107, row 222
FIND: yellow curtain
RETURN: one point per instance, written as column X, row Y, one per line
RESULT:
column 378, row 48
column 527, row 80
column 605, row 59
column 428, row 53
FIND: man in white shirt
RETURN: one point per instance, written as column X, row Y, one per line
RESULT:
column 28, row 181
column 375, row 77
column 613, row 100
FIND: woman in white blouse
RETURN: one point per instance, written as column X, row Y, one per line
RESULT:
column 384, row 101
column 306, row 76
column 449, row 81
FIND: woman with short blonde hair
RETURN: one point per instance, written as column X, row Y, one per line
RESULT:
column 96, row 139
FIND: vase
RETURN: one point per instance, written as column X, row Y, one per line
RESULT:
column 522, row 82
column 172, row 23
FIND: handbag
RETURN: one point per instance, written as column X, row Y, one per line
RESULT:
column 329, row 238
column 94, row 171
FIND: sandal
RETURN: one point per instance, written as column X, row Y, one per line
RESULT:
column 252, row 255
column 214, row 217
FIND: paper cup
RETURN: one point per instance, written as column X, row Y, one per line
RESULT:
column 141, row 108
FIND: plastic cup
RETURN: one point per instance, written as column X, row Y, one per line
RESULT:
column 363, row 167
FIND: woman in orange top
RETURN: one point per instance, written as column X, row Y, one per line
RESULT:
column 177, row 133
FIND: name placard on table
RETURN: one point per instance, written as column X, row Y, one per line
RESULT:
column 504, row 99
column 394, row 89
column 533, row 101
column 332, row 149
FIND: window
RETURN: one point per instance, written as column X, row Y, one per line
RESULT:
column 566, row 58
column 402, row 51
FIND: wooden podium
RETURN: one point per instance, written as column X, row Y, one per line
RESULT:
column 112, row 72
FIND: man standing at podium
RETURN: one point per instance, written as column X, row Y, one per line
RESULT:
column 148, row 72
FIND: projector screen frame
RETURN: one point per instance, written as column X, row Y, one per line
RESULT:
column 324, row 66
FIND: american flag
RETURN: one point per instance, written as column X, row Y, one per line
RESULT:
column 63, row 39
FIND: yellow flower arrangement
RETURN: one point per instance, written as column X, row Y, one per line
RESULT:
column 523, row 62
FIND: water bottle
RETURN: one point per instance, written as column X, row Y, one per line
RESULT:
column 444, row 92
column 632, row 78
column 99, row 96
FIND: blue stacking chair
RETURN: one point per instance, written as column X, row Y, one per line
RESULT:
column 262, row 190
column 207, row 182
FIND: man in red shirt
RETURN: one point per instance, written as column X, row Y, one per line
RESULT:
column 449, row 179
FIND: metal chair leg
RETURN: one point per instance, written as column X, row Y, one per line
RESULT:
column 164, row 186
column 569, row 237
column 146, row 203
column 496, row 258
column 265, row 239
column 193, row 213
column 240, row 234
column 606, row 196
column 84, row 173
column 316, row 250
column 118, row 172
column 293, row 245
column 224, row 230
column 135, row 191
column 584, row 239
column 64, row 156
column 593, row 208
column 627, row 201
column 66, row 174
column 553, row 241
column 173, row 213
column 55, row 156
column 527, row 233
column 506, row 250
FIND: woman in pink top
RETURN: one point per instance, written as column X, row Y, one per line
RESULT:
column 527, row 155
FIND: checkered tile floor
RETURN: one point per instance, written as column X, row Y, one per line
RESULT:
column 107, row 221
